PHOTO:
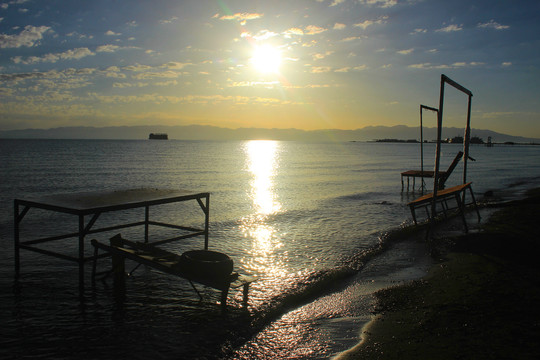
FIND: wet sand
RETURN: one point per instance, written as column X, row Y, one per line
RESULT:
column 480, row 301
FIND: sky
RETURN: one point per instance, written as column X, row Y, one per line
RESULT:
column 304, row 64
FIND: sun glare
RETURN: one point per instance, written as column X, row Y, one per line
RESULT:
column 266, row 59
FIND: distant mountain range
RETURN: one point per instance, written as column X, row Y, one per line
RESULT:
column 202, row 132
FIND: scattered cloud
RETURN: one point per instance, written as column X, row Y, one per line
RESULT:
column 456, row 65
column 293, row 31
column 348, row 69
column 338, row 26
column 493, row 25
column 379, row 3
column 337, row 2
column 363, row 25
column 506, row 64
column 174, row 65
column 406, row 52
column 314, row 30
column 418, row 31
column 169, row 21
column 242, row 17
column 352, row 38
column 29, row 37
column 112, row 33
column 319, row 56
column 107, row 48
column 320, row 69
column 74, row 54
column 450, row 28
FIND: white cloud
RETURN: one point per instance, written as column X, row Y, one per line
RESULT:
column 450, row 28
column 338, row 26
column 493, row 25
column 506, row 64
column 28, row 37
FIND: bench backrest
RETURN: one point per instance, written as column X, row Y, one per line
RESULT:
column 446, row 175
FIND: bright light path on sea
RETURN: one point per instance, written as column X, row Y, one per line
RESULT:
column 266, row 59
column 262, row 164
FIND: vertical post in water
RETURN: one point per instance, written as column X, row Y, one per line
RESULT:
column 146, row 222
column 466, row 142
column 421, row 148
column 207, row 221
column 16, row 237
column 81, row 255
column 119, row 269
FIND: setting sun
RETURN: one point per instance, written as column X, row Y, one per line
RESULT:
column 266, row 59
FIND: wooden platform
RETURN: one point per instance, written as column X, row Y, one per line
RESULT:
column 169, row 263
column 417, row 174
column 454, row 192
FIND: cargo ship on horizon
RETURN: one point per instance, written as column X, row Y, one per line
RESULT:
column 155, row 136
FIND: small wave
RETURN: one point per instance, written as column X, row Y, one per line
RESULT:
column 362, row 196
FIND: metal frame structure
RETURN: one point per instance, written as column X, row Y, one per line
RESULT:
column 446, row 80
column 93, row 205
column 422, row 140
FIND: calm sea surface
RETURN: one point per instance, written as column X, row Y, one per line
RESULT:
column 297, row 215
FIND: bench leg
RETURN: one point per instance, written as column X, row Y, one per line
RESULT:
column 245, row 293
column 475, row 205
column 224, row 294
column 413, row 213
column 94, row 266
column 461, row 207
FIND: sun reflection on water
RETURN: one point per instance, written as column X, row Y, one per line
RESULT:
column 262, row 163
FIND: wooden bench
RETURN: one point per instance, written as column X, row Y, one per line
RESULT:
column 166, row 262
column 454, row 192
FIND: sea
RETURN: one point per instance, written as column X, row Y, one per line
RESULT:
column 321, row 226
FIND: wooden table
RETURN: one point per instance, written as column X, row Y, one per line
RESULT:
column 91, row 205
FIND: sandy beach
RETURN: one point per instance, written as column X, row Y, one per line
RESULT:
column 480, row 301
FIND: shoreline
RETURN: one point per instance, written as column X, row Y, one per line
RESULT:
column 481, row 301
